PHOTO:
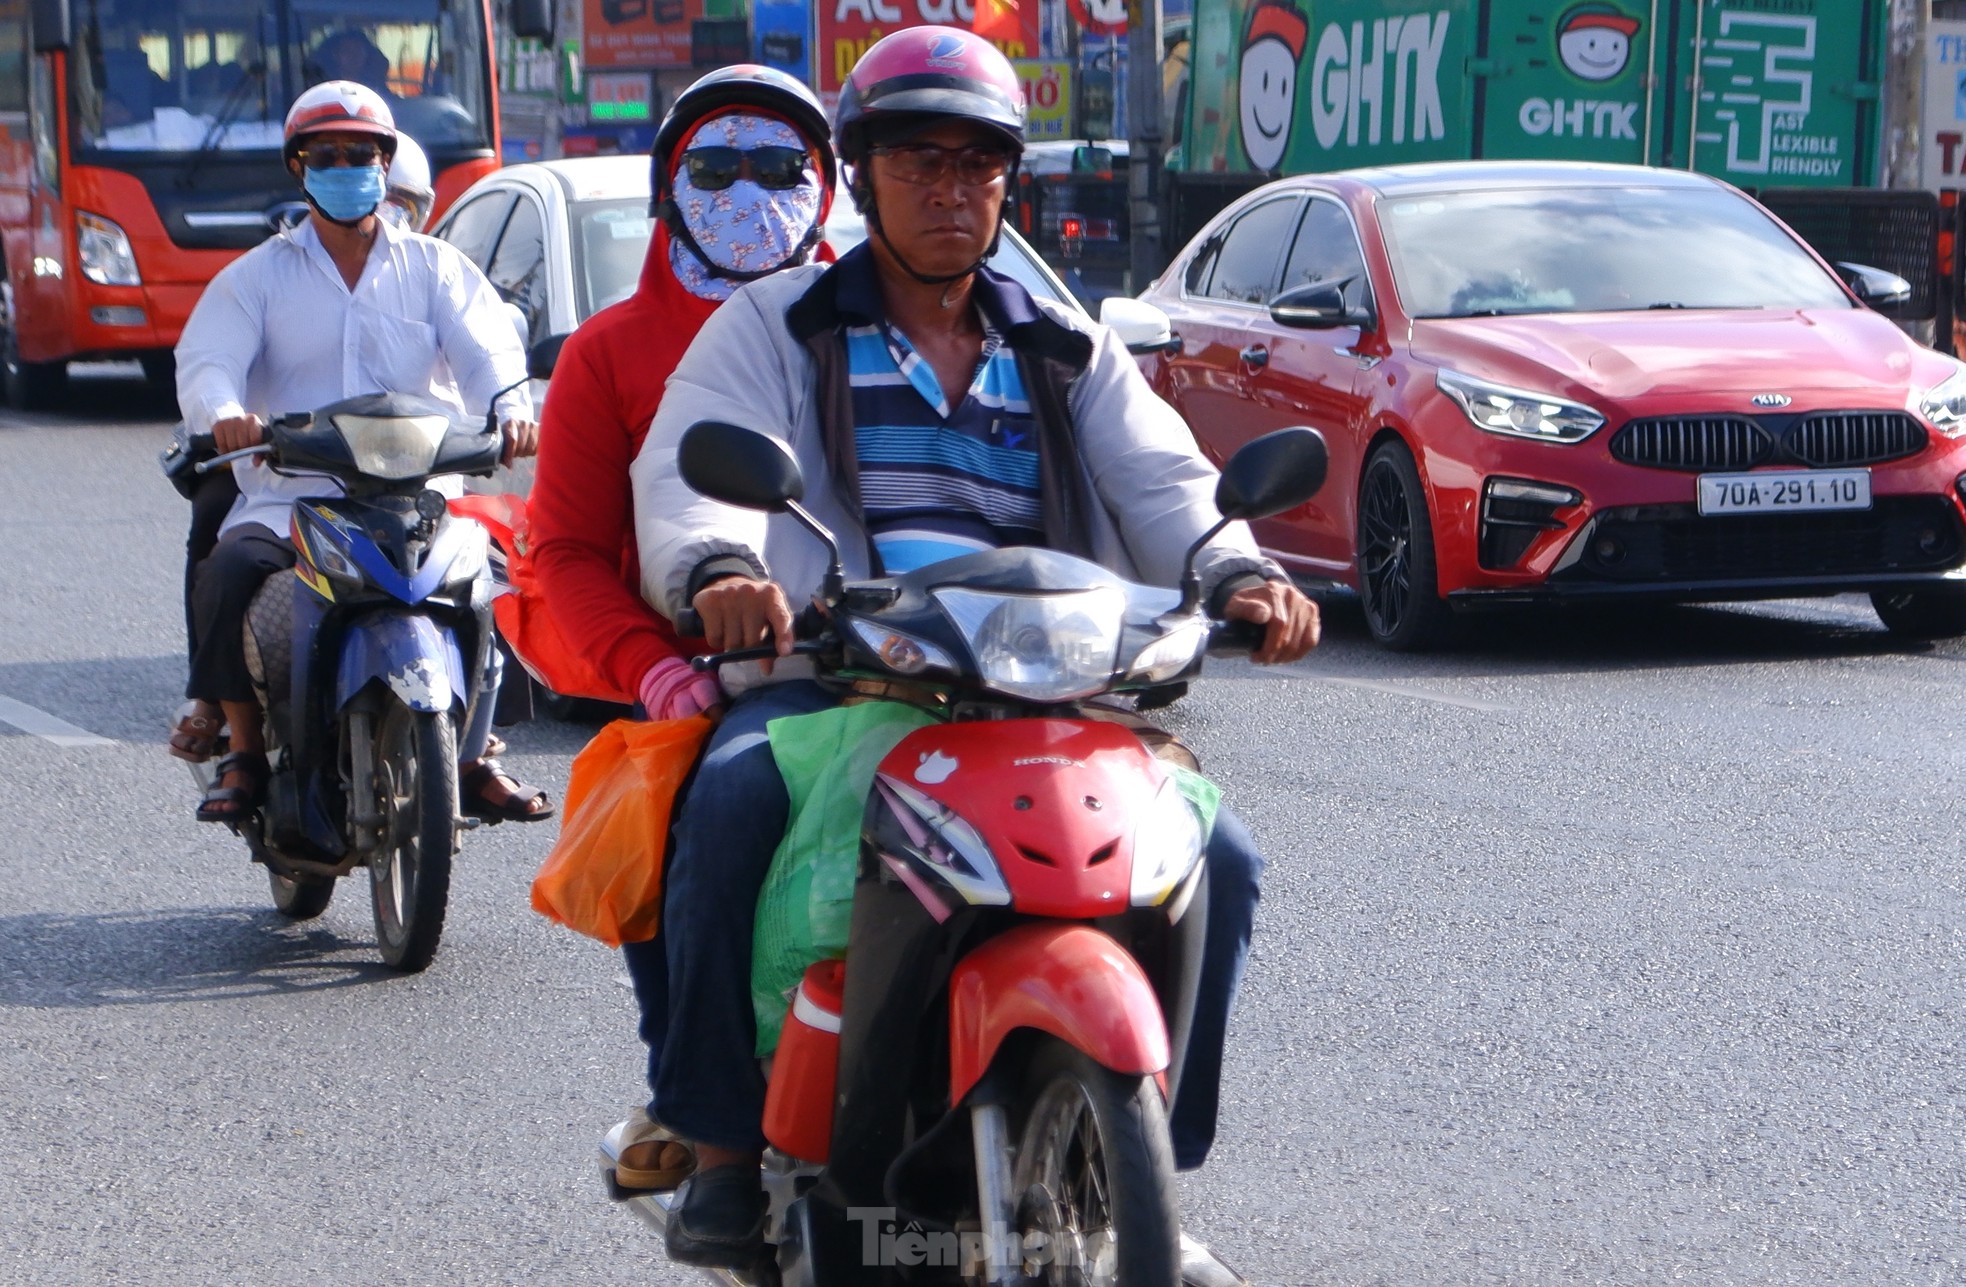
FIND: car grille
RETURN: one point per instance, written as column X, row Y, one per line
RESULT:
column 1693, row 442
column 1855, row 438
column 1674, row 543
column 1697, row 444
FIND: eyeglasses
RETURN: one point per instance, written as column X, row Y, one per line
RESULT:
column 926, row 163
column 712, row 169
column 323, row 156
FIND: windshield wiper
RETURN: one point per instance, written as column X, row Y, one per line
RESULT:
column 1664, row 303
column 223, row 121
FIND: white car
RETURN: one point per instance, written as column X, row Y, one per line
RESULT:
column 564, row 239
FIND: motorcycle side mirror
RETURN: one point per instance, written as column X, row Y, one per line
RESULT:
column 544, row 356
column 1273, row 473
column 1266, row 476
column 742, row 467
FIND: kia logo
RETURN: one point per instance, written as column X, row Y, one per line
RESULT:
column 1770, row 399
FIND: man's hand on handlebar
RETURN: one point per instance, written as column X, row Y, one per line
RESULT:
column 521, row 439
column 236, row 433
column 1289, row 619
column 744, row 612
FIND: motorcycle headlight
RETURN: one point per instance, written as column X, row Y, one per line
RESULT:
column 327, row 549
column 900, row 652
column 1039, row 647
column 1945, row 405
column 1172, row 653
column 104, row 249
column 393, row 448
column 1519, row 413
column 1167, row 844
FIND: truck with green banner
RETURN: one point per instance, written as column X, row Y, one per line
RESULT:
column 1762, row 93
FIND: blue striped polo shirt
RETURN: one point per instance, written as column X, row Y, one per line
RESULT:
column 937, row 479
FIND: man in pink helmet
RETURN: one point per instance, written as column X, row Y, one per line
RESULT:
column 936, row 409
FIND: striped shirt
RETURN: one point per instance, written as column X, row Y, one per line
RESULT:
column 937, row 480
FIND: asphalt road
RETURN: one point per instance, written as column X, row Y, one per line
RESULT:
column 1619, row 948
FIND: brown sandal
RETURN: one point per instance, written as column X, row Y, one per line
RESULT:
column 195, row 730
column 522, row 803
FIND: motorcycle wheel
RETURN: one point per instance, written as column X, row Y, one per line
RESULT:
column 410, row 874
column 1095, row 1176
column 300, row 898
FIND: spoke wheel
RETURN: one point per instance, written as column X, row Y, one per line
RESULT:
column 410, row 874
column 1937, row 613
column 1095, row 1177
column 300, row 898
column 1398, row 583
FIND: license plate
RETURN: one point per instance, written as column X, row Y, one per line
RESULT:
column 1785, row 491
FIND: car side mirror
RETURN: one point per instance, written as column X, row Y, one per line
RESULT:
column 51, row 25
column 1319, row 306
column 1875, row 286
column 533, row 19
column 1092, row 159
column 1142, row 327
column 1273, row 473
column 740, row 467
column 544, row 356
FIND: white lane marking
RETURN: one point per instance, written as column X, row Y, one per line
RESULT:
column 1420, row 694
column 49, row 728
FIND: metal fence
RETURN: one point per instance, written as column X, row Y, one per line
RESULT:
column 1897, row 231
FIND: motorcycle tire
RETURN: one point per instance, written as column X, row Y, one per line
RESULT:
column 300, row 898
column 410, row 875
column 1095, row 1174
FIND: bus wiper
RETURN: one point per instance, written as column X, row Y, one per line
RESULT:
column 1664, row 303
column 255, row 72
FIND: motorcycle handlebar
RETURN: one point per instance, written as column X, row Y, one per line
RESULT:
column 808, row 635
column 1235, row 638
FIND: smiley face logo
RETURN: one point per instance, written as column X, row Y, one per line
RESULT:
column 1594, row 41
column 1271, row 46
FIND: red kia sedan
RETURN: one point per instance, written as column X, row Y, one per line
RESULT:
column 1550, row 381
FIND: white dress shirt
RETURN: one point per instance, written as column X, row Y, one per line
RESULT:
column 279, row 331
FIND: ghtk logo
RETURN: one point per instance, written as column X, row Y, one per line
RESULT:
column 1594, row 41
column 1272, row 44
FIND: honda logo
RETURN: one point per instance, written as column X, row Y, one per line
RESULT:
column 1770, row 399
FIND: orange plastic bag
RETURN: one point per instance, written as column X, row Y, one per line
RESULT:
column 521, row 610
column 604, row 876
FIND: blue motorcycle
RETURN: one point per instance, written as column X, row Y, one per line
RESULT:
column 371, row 659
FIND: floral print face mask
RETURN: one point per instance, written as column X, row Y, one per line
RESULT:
column 745, row 227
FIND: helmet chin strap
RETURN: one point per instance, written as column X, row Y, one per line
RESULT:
column 350, row 224
column 872, row 214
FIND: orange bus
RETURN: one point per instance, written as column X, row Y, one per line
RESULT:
column 140, row 150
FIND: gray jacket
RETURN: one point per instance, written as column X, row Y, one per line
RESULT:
column 1121, row 480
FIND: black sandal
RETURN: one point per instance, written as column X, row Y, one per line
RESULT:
column 243, row 800
column 515, row 807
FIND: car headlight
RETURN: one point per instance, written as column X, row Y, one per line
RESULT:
column 1039, row 647
column 1945, row 405
column 1518, row 413
column 393, row 448
column 1172, row 653
column 104, row 249
column 900, row 652
column 1167, row 844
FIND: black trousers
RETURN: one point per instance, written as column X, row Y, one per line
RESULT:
column 223, row 588
column 210, row 503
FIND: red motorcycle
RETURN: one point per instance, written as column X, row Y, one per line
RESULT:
column 978, row 1093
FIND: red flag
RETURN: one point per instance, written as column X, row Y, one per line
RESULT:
column 1001, row 23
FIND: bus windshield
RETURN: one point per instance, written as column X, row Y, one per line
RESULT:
column 183, row 75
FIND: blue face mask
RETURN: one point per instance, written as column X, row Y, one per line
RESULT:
column 345, row 192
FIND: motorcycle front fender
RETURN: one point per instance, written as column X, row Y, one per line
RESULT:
column 412, row 656
column 1069, row 980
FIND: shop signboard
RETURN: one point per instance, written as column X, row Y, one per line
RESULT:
column 848, row 27
column 1047, row 97
column 1942, row 148
column 638, row 33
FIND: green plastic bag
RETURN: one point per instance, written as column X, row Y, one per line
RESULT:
column 828, row 760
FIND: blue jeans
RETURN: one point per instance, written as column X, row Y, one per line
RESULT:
column 705, row 1075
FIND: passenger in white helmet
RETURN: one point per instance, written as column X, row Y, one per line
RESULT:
column 409, row 197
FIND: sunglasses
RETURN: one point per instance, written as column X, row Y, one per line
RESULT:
column 926, row 163
column 712, row 169
column 323, row 156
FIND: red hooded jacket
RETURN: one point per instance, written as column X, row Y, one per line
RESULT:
column 581, row 511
